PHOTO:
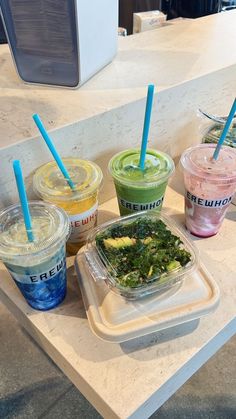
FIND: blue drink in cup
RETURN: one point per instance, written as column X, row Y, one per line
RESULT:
column 39, row 267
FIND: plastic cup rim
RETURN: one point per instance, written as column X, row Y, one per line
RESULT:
column 75, row 195
column 60, row 236
column 162, row 179
column 211, row 178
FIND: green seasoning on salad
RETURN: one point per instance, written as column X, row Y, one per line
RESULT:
column 141, row 252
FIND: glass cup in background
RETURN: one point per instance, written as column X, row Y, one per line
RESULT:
column 136, row 189
column 39, row 267
column 81, row 204
column 210, row 186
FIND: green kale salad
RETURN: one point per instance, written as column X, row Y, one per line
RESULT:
column 141, row 252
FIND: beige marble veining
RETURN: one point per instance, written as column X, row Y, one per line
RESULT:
column 133, row 378
column 192, row 67
column 168, row 56
column 106, row 114
column 174, row 126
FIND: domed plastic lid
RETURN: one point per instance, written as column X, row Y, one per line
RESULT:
column 50, row 183
column 199, row 162
column 124, row 167
column 50, row 227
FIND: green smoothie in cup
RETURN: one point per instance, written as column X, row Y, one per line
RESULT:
column 137, row 189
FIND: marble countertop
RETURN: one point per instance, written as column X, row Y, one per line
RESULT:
column 167, row 57
column 132, row 379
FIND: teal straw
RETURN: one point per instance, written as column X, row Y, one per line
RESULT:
column 53, row 150
column 146, row 125
column 225, row 130
column 23, row 199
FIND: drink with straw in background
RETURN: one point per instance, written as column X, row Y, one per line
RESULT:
column 210, row 182
column 141, row 177
column 32, row 247
column 75, row 190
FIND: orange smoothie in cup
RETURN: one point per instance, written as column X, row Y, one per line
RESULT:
column 81, row 203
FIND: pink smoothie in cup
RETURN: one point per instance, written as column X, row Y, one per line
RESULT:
column 210, row 186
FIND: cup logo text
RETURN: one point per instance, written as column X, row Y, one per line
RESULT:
column 134, row 206
column 82, row 223
column 211, row 203
column 49, row 274
column 35, row 278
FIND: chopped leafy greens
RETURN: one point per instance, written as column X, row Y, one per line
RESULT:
column 141, row 252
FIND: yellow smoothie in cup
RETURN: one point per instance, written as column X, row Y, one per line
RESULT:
column 81, row 203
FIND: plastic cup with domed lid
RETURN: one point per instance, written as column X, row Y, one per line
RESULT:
column 38, row 267
column 140, row 189
column 80, row 203
column 210, row 186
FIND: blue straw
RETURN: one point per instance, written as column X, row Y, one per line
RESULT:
column 23, row 199
column 53, row 150
column 225, row 131
column 146, row 126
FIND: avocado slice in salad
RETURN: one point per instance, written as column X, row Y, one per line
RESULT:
column 118, row 242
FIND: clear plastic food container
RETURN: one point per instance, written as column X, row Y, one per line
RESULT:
column 140, row 254
column 213, row 131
